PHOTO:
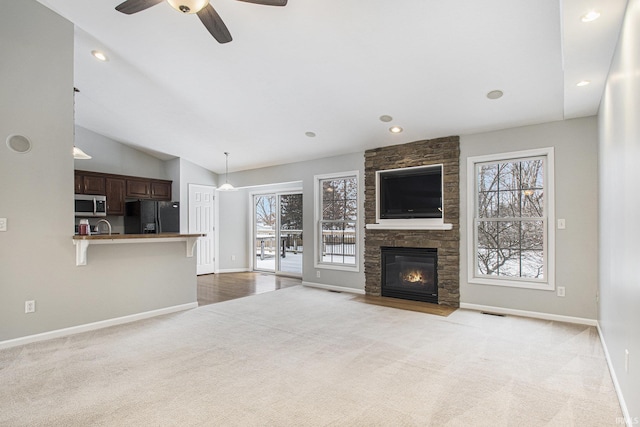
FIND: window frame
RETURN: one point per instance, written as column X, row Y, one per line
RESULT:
column 317, row 208
column 548, row 283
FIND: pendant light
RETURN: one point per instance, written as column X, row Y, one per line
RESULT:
column 78, row 154
column 226, row 186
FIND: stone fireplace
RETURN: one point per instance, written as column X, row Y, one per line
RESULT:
column 443, row 243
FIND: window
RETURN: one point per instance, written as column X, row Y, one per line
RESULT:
column 337, row 221
column 510, row 232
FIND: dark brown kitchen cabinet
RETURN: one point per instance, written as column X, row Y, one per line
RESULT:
column 138, row 188
column 115, row 195
column 119, row 188
column 161, row 190
column 89, row 183
column 77, row 184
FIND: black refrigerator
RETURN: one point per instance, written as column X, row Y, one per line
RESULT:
column 151, row 217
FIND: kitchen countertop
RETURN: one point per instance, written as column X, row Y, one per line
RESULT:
column 133, row 236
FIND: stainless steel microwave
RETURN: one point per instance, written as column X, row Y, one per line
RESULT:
column 90, row 206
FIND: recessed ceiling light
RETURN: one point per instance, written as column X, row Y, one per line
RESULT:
column 386, row 118
column 590, row 16
column 310, row 134
column 99, row 55
column 395, row 129
column 583, row 83
column 495, row 94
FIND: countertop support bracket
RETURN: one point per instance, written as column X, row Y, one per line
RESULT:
column 82, row 243
column 81, row 251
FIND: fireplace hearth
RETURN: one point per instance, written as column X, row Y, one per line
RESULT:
column 410, row 273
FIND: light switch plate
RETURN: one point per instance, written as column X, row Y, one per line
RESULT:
column 561, row 224
column 3, row 224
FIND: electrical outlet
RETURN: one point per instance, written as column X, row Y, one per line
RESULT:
column 560, row 291
column 626, row 360
column 233, row 257
column 318, row 273
column 29, row 306
column 3, row 224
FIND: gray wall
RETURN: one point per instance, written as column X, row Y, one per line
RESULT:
column 576, row 199
column 300, row 172
column 37, row 257
column 109, row 156
column 619, row 125
column 234, row 212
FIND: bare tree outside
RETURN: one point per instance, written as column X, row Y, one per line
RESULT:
column 339, row 219
column 266, row 212
column 510, row 219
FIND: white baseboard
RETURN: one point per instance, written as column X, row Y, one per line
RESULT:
column 333, row 288
column 533, row 314
column 233, row 270
column 94, row 325
column 623, row 405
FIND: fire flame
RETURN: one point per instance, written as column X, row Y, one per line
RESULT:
column 414, row 276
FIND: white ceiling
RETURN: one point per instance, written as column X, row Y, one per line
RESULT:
column 333, row 67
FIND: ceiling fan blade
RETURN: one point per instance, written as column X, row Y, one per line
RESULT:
column 133, row 6
column 268, row 2
column 214, row 24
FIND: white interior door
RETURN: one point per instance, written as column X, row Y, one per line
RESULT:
column 201, row 220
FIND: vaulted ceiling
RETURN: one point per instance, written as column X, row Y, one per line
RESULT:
column 333, row 67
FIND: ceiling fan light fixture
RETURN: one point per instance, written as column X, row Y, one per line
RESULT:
column 188, row 6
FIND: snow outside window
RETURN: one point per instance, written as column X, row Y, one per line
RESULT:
column 511, row 216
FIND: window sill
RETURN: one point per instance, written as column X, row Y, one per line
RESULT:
column 513, row 284
column 338, row 267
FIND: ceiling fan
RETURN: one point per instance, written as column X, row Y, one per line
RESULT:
column 202, row 8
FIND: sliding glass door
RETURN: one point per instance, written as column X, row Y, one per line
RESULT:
column 290, row 227
column 265, row 232
column 277, row 233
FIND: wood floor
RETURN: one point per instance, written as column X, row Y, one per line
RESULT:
column 402, row 304
column 214, row 288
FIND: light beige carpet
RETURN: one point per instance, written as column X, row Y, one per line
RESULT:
column 307, row 357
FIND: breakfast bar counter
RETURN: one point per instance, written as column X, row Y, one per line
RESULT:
column 82, row 242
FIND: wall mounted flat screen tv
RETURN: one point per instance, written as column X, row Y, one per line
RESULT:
column 410, row 193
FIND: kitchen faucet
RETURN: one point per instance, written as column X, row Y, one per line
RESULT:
column 106, row 222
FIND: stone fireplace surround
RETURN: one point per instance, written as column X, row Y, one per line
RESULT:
column 445, row 151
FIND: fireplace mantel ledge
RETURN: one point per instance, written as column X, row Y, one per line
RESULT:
column 409, row 226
